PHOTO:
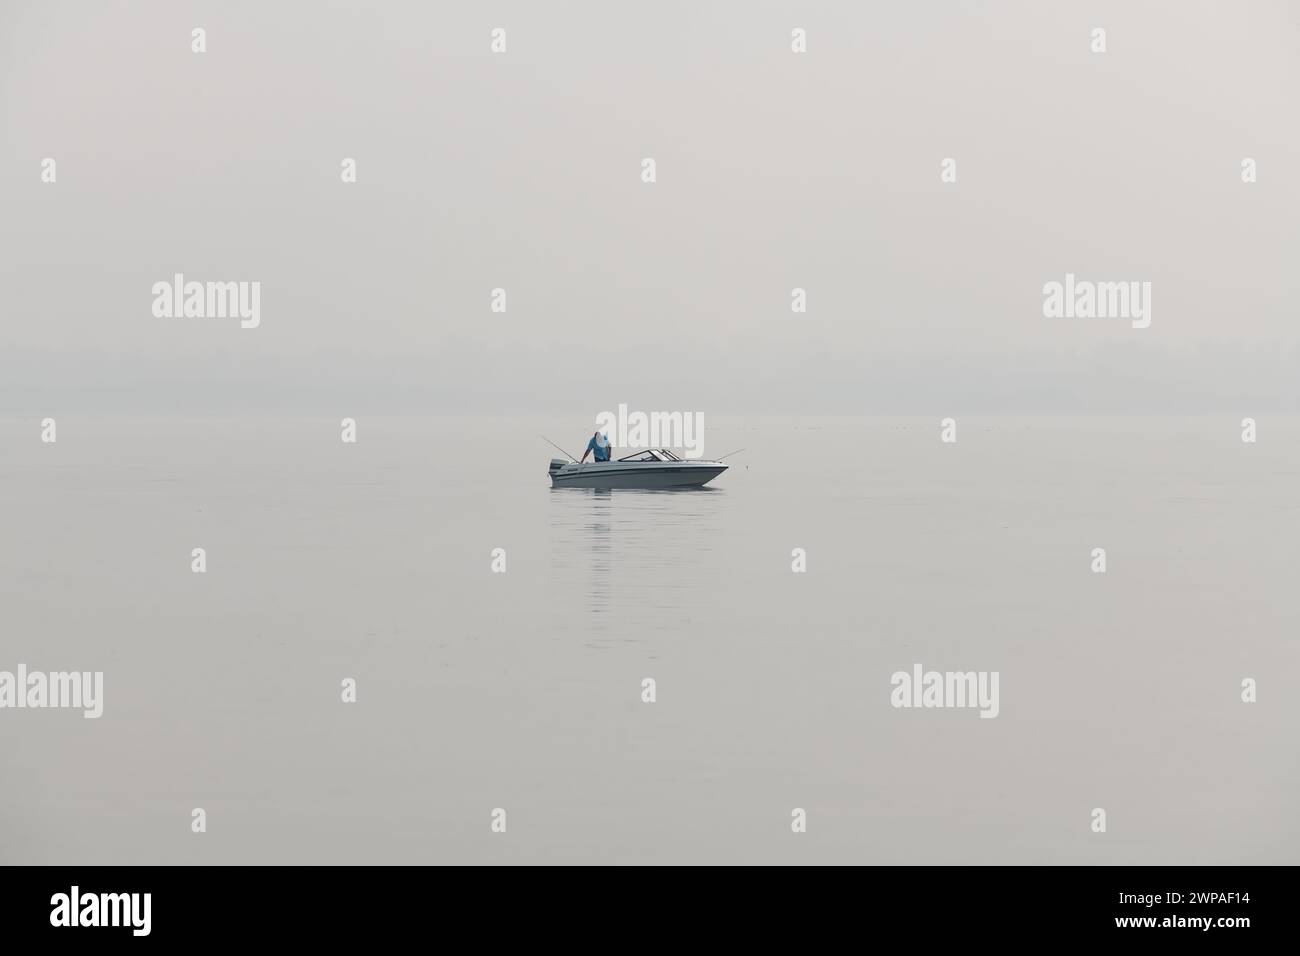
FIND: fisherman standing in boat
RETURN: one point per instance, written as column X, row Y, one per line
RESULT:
column 598, row 448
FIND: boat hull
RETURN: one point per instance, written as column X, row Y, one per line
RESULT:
column 602, row 475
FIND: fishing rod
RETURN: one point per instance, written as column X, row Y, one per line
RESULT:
column 558, row 448
column 730, row 453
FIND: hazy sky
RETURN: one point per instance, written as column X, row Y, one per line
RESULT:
column 775, row 170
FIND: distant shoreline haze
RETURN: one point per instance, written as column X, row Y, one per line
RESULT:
column 1232, row 378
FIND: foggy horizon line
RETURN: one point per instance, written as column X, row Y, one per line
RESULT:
column 1110, row 378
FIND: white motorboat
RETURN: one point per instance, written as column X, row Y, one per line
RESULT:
column 653, row 468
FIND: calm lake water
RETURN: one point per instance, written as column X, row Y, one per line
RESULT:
column 522, row 690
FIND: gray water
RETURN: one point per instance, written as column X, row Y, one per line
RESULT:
column 478, row 690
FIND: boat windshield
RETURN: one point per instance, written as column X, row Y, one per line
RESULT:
column 653, row 454
column 648, row 455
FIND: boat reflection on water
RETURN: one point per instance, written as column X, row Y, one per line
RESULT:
column 628, row 566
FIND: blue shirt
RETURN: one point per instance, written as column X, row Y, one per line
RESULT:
column 600, row 454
